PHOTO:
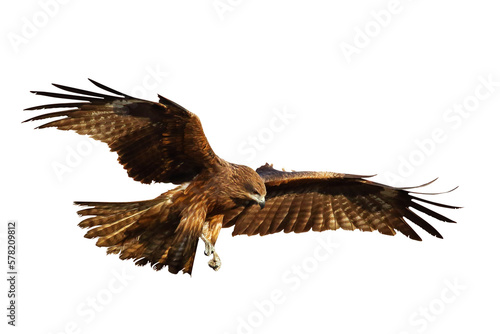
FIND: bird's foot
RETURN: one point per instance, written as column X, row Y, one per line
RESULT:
column 215, row 262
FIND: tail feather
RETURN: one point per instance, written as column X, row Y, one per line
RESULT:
column 102, row 220
column 115, row 237
column 123, row 221
column 147, row 231
column 110, row 208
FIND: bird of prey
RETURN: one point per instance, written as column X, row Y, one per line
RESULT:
column 164, row 142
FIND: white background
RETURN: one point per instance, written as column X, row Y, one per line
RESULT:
column 374, row 111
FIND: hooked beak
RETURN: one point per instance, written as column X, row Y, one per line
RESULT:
column 261, row 200
column 262, row 203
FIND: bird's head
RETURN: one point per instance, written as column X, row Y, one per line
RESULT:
column 248, row 187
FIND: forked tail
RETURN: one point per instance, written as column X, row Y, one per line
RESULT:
column 146, row 231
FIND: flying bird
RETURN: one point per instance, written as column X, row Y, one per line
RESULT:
column 164, row 142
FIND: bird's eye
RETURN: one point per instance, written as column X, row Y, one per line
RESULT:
column 255, row 192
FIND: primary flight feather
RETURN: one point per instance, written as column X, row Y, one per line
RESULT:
column 164, row 142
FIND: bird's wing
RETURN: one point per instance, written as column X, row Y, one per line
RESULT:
column 161, row 142
column 318, row 201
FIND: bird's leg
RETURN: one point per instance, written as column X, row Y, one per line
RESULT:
column 215, row 262
column 209, row 234
column 209, row 248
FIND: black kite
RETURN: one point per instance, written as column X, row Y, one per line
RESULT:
column 163, row 142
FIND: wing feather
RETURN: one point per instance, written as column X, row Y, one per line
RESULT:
column 272, row 213
column 368, row 217
column 318, row 215
column 301, row 201
column 281, row 213
column 304, row 213
column 340, row 215
column 330, row 222
column 291, row 218
column 260, row 216
column 155, row 142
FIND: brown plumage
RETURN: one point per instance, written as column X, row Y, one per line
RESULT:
column 163, row 142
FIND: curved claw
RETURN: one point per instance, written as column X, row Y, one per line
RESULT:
column 215, row 262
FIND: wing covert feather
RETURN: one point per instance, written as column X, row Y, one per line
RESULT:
column 303, row 201
column 155, row 142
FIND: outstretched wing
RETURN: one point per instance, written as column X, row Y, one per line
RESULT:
column 161, row 142
column 318, row 201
